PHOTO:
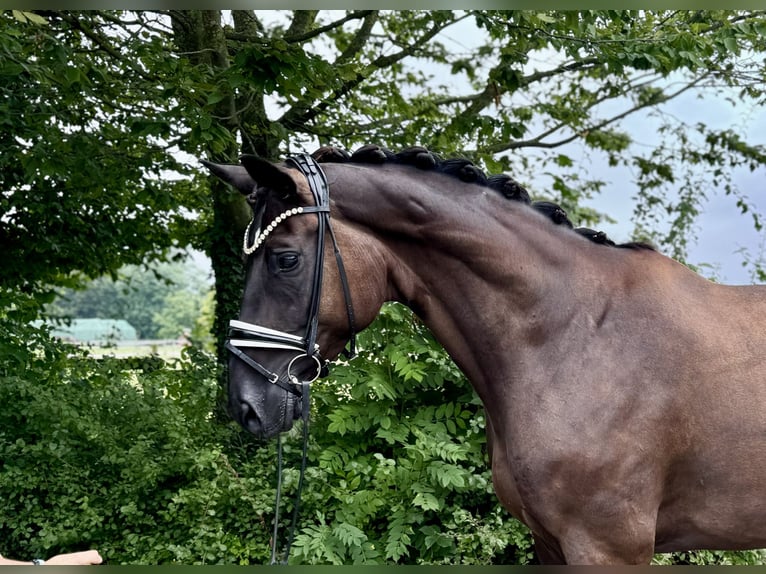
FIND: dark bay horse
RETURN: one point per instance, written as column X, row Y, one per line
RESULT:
column 625, row 395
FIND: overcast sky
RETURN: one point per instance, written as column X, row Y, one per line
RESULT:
column 722, row 230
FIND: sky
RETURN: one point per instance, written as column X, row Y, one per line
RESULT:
column 722, row 230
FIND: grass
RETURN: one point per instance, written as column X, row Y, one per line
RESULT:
column 166, row 349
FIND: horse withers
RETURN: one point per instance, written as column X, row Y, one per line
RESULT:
column 647, row 433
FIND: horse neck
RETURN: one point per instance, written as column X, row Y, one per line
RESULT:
column 476, row 267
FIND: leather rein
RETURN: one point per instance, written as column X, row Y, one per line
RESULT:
column 249, row 335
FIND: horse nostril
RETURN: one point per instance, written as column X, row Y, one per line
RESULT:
column 249, row 420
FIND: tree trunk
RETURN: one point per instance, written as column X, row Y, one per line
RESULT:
column 199, row 36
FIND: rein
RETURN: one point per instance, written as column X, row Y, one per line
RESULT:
column 250, row 335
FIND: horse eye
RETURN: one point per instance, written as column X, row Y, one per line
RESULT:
column 287, row 261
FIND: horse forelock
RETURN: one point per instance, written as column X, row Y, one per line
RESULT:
column 463, row 169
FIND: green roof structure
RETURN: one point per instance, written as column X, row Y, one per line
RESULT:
column 96, row 331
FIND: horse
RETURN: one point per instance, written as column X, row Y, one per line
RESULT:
column 625, row 395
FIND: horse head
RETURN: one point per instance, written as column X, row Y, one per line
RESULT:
column 276, row 340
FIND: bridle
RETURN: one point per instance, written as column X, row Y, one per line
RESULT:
column 249, row 335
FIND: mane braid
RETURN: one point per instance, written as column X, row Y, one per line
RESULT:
column 637, row 245
column 467, row 171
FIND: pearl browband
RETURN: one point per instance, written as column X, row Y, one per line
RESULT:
column 260, row 236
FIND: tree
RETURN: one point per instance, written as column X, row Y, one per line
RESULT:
column 83, row 163
column 130, row 90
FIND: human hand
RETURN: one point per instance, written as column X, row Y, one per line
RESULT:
column 75, row 559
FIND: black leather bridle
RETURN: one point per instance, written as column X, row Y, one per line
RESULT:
column 249, row 335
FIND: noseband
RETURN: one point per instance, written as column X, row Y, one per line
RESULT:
column 249, row 335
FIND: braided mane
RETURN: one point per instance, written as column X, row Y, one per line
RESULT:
column 466, row 171
column 422, row 158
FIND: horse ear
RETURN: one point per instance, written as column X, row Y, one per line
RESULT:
column 254, row 172
column 235, row 175
column 269, row 175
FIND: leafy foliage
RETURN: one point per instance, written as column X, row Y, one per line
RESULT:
column 98, row 106
column 83, row 171
column 132, row 463
column 125, row 461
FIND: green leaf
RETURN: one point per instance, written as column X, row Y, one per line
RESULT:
column 426, row 501
column 215, row 97
column 35, row 18
column 349, row 535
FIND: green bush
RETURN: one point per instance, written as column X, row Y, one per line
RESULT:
column 398, row 448
column 129, row 459
column 97, row 455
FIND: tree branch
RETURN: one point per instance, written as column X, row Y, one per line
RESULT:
column 97, row 39
column 493, row 90
column 102, row 43
column 308, row 35
column 298, row 116
column 360, row 38
column 302, row 21
column 537, row 141
column 237, row 36
column 245, row 22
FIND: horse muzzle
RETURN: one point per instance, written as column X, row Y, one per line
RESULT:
column 261, row 408
column 268, row 377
